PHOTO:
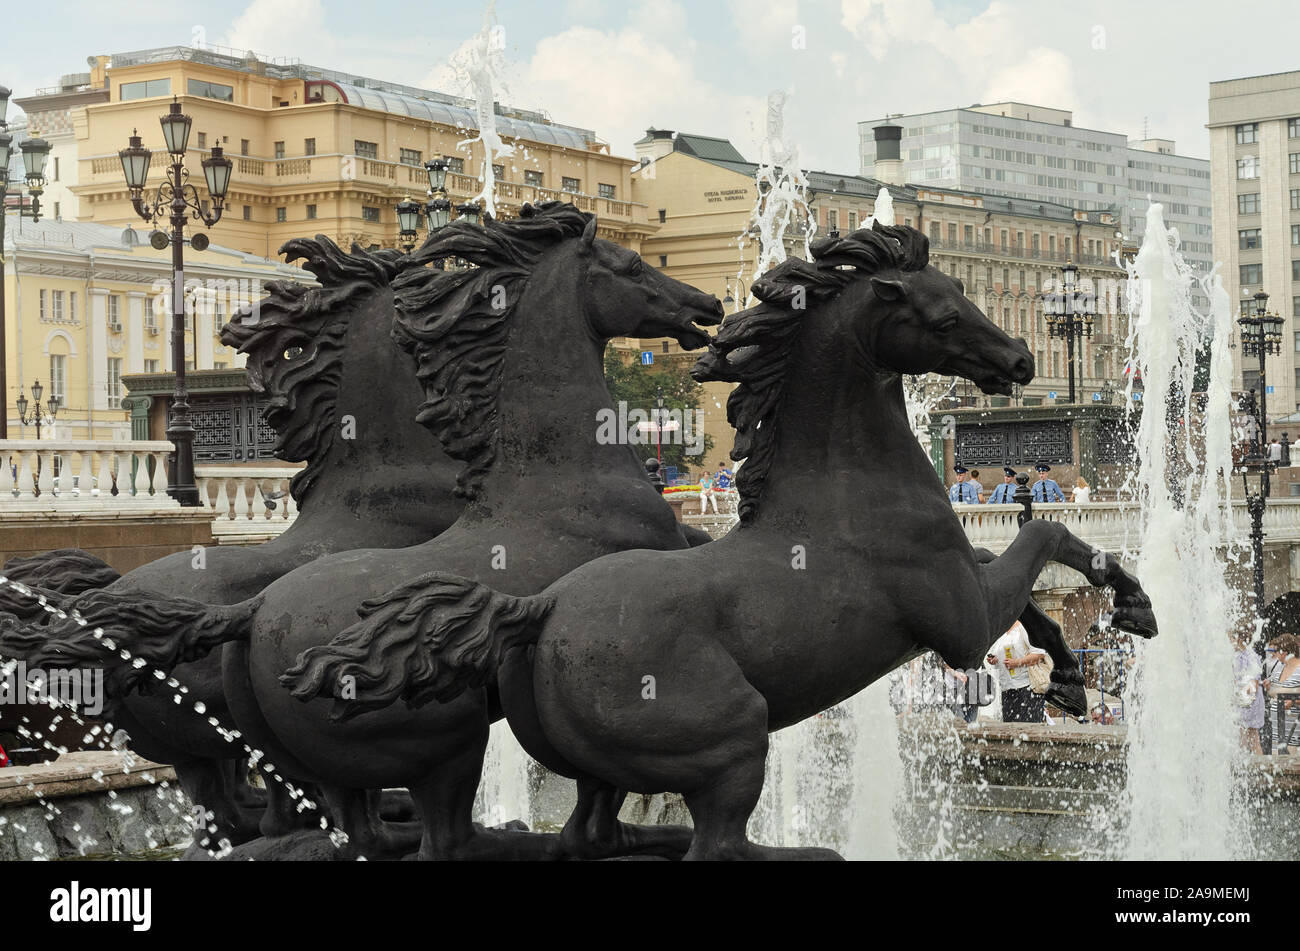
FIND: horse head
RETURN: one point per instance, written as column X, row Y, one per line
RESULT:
column 920, row 319
column 308, row 345
column 532, row 288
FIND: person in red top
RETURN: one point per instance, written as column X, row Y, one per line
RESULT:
column 4, row 757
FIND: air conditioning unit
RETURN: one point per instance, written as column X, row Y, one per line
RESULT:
column 152, row 328
column 115, row 326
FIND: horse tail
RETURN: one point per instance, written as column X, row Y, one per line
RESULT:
column 432, row 638
column 129, row 632
column 65, row 571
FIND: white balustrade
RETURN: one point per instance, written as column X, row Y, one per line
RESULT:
column 75, row 475
column 248, row 502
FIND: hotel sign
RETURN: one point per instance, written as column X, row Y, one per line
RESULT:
column 727, row 194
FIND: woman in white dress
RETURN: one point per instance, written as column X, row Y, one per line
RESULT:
column 1081, row 491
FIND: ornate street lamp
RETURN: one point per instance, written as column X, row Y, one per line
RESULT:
column 470, row 211
column 174, row 201
column 40, row 417
column 1069, row 314
column 36, row 153
column 408, row 222
column 1261, row 334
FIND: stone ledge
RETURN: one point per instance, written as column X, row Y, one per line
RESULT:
column 76, row 774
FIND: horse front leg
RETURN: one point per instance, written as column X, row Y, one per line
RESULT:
column 1067, row 688
column 1009, row 579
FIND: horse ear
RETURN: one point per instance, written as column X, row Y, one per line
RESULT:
column 588, row 235
column 889, row 290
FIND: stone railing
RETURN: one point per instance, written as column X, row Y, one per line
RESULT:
column 1113, row 526
column 238, row 496
column 85, row 475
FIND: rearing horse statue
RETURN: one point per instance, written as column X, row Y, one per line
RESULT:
column 650, row 670
column 321, row 357
column 509, row 353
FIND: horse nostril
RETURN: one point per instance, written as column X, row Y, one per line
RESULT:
column 1023, row 370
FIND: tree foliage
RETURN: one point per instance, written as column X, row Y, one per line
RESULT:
column 638, row 387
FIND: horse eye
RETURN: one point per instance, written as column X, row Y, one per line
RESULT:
column 948, row 325
column 293, row 353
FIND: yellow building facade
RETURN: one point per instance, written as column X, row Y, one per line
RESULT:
column 87, row 304
column 319, row 151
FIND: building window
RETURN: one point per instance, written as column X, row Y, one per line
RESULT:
column 1251, row 274
column 1295, row 270
column 114, row 310
column 369, row 213
column 59, row 377
column 57, row 214
column 663, row 260
column 665, row 346
column 243, row 146
column 1293, row 128
column 533, row 177
column 498, row 172
column 1247, row 133
column 311, row 212
column 203, row 140
column 248, row 212
column 201, row 87
column 410, row 157
column 605, row 191
column 1248, row 167
column 1247, row 306
column 1249, row 204
column 455, row 164
column 1248, row 239
column 1295, row 199
column 279, row 150
column 832, row 220
column 571, row 185
column 853, row 221
column 365, row 149
column 1295, row 235
column 220, row 366
column 145, row 89
column 281, row 214
column 308, row 146
column 1295, row 305
column 56, row 308
column 114, row 382
column 151, row 366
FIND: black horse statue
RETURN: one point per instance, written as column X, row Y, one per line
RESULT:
column 323, row 360
column 650, row 670
column 509, row 352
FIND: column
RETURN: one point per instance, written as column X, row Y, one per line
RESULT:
column 204, row 305
column 162, row 315
column 135, row 332
column 97, row 358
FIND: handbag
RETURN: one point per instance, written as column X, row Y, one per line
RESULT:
column 1040, row 675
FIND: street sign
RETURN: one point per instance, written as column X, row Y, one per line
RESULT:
column 1051, row 394
column 1096, row 397
column 1268, row 390
column 647, row 358
column 1137, row 397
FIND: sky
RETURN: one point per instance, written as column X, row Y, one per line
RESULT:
column 708, row 66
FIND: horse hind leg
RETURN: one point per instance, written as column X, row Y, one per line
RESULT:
column 594, row 831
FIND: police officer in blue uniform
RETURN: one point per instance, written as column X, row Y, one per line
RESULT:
column 1045, row 489
column 963, row 491
column 1005, row 494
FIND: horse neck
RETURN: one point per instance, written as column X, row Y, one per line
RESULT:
column 390, row 456
column 843, row 440
column 552, row 388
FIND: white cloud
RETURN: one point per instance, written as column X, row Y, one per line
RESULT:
column 263, row 29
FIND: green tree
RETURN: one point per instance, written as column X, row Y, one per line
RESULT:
column 638, row 387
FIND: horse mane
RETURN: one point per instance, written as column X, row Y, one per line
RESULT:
column 753, row 347
column 456, row 323
column 291, row 310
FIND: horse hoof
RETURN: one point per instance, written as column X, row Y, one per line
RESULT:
column 1071, row 698
column 1136, row 620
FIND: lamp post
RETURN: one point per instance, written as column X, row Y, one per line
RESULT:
column 177, row 199
column 740, row 290
column 1261, row 334
column 38, row 417
column 408, row 221
column 1069, row 314
column 35, row 154
column 659, row 425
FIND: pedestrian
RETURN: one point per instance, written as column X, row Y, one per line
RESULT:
column 706, row 493
column 1045, row 489
column 1011, row 656
column 1005, row 494
column 1249, row 675
column 962, row 490
column 726, row 478
column 1081, row 492
column 979, row 486
column 1286, row 450
column 1275, row 452
column 1282, row 709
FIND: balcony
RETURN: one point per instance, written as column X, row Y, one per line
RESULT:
column 988, row 249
